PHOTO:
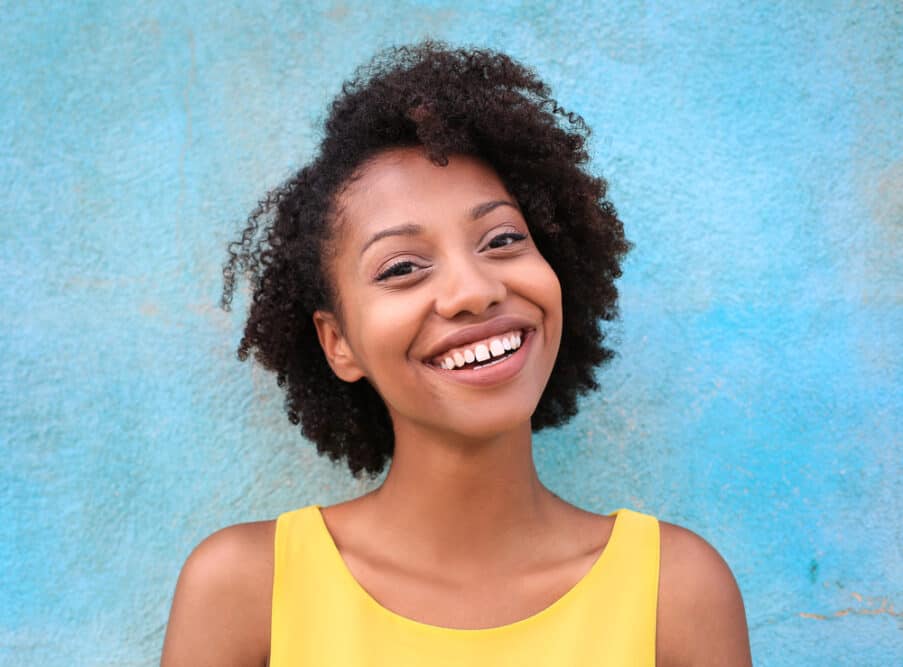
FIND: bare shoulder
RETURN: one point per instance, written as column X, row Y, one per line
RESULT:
column 221, row 608
column 701, row 619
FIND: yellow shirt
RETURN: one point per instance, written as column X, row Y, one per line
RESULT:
column 322, row 617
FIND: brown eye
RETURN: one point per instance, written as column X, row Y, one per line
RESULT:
column 508, row 238
column 397, row 269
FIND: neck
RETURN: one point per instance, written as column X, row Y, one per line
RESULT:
column 461, row 504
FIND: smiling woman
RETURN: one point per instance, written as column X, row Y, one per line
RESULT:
column 459, row 274
column 429, row 290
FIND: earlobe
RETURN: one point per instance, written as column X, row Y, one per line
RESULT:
column 339, row 355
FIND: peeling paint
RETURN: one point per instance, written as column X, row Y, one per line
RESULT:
column 871, row 606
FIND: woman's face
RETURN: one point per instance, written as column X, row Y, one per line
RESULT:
column 435, row 268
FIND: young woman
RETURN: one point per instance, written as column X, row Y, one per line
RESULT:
column 428, row 291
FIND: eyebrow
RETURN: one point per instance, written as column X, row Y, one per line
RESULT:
column 413, row 229
column 485, row 208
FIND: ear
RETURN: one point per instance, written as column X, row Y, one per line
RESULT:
column 338, row 353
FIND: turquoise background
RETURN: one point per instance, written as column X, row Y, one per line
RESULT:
column 754, row 154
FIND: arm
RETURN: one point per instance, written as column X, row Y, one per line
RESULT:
column 701, row 620
column 221, row 608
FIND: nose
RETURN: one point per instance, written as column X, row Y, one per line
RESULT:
column 469, row 285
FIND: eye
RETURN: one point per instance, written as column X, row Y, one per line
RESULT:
column 506, row 239
column 402, row 268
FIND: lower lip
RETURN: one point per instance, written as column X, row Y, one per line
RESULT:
column 490, row 375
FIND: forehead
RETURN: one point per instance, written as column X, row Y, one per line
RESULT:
column 403, row 185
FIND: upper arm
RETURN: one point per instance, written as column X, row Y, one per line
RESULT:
column 221, row 608
column 701, row 618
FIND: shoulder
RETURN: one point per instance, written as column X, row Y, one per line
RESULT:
column 701, row 619
column 221, row 607
column 234, row 560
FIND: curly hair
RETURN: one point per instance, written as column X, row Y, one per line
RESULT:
column 449, row 101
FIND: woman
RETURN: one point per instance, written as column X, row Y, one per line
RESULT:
column 428, row 291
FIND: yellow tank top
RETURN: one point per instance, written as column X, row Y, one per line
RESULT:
column 322, row 617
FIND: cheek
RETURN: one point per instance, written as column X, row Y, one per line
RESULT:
column 545, row 291
column 386, row 330
column 553, row 288
column 545, row 288
column 554, row 311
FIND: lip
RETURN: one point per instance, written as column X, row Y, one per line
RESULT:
column 497, row 373
column 494, row 327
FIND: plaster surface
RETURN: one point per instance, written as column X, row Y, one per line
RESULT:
column 753, row 151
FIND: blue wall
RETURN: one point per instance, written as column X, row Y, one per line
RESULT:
column 754, row 153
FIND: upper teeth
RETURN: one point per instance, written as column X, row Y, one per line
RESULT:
column 481, row 351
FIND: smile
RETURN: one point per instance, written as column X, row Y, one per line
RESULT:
column 492, row 370
column 477, row 354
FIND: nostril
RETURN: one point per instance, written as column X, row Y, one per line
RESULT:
column 468, row 287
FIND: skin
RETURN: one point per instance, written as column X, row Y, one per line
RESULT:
column 462, row 508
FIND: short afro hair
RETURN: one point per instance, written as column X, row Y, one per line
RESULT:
column 449, row 101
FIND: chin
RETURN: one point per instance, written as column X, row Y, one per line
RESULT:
column 488, row 426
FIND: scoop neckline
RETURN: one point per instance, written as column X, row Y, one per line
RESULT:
column 514, row 625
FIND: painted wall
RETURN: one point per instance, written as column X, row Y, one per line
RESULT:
column 754, row 153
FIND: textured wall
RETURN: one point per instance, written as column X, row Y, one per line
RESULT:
column 753, row 150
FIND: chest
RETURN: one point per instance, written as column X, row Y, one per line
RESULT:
column 488, row 602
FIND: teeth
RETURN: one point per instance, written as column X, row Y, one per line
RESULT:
column 493, row 347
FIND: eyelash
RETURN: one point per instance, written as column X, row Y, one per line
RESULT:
column 390, row 272
column 517, row 236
